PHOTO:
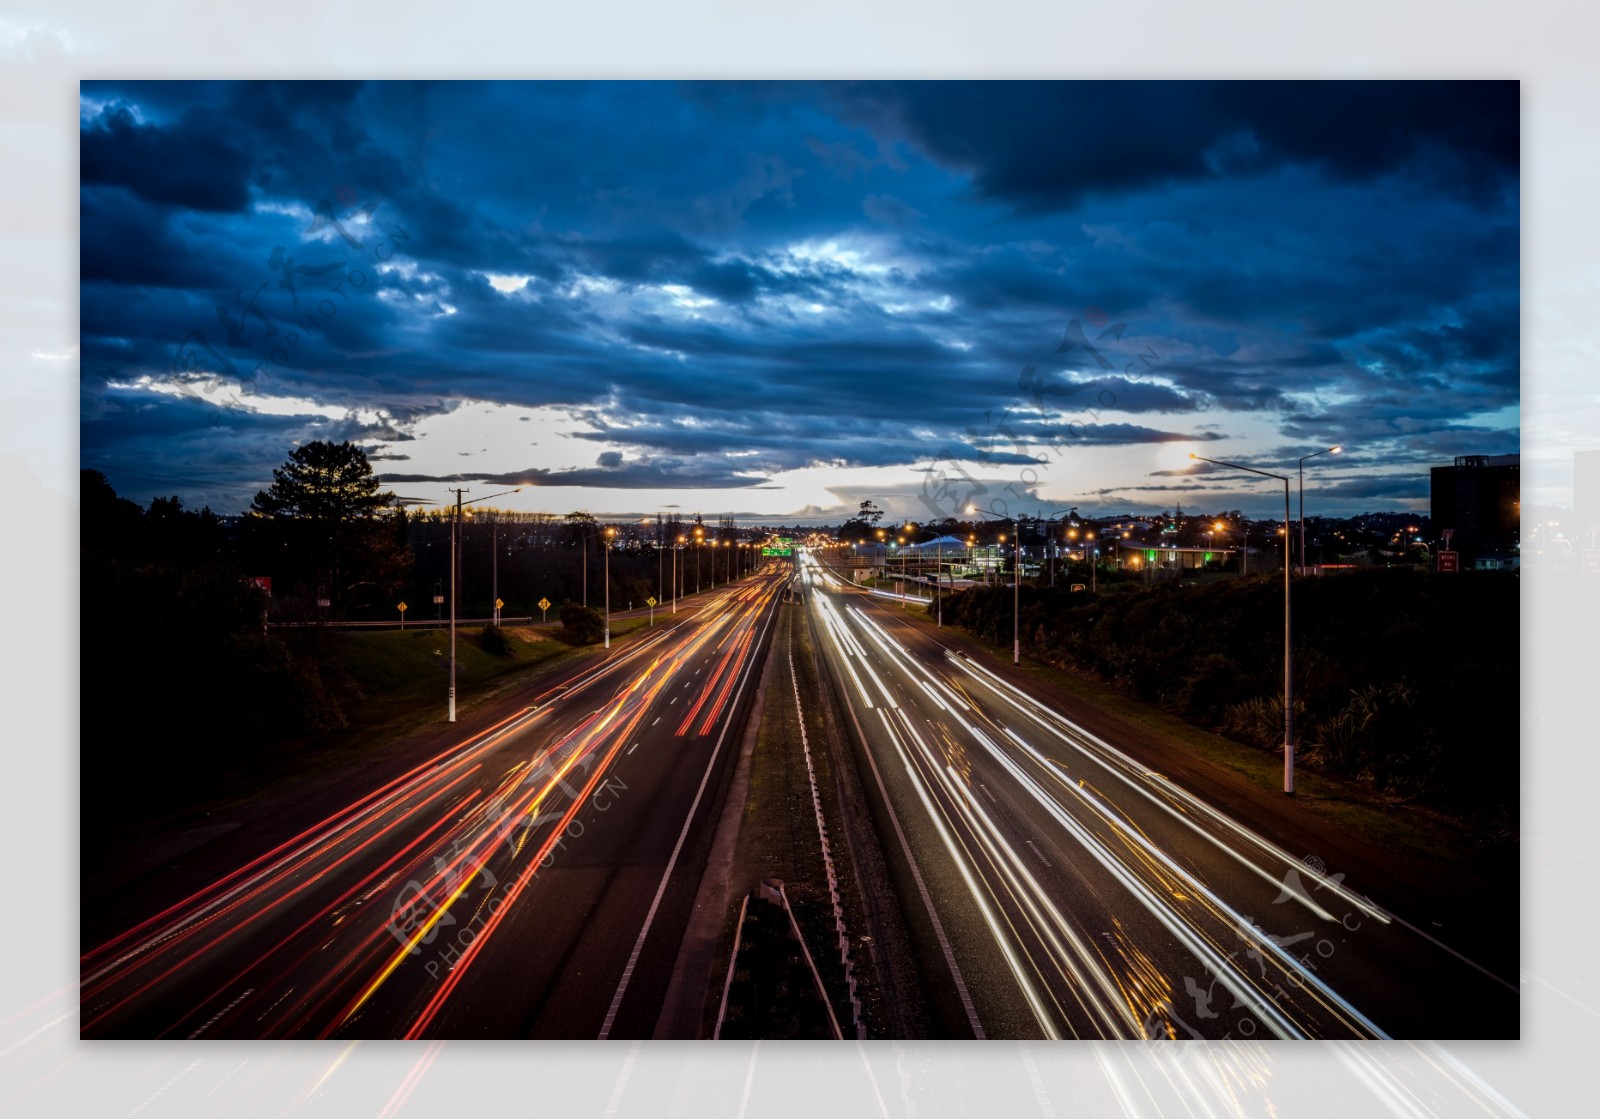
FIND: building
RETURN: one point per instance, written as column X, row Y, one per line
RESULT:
column 1159, row 561
column 1479, row 499
column 863, row 561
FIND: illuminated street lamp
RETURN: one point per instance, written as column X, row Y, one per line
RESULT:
column 699, row 540
column 1326, row 451
column 1288, row 651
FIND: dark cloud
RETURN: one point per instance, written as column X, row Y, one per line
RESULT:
column 727, row 281
column 1048, row 145
column 661, row 474
column 190, row 164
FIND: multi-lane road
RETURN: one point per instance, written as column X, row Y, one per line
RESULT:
column 1068, row 890
column 535, row 878
column 532, row 880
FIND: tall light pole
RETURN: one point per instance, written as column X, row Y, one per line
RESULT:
column 1288, row 650
column 660, row 570
column 1016, row 590
column 677, row 548
column 699, row 539
column 900, row 542
column 1326, row 451
column 455, row 565
column 1054, row 540
column 606, row 544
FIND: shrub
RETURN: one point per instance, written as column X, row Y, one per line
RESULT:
column 580, row 625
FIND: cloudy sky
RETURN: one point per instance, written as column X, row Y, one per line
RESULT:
column 777, row 300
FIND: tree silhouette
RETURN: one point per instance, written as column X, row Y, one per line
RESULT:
column 332, row 520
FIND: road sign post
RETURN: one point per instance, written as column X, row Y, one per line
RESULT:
column 544, row 610
column 652, row 602
column 401, row 607
column 498, row 603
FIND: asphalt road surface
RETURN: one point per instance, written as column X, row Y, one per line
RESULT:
column 1059, row 888
column 532, row 880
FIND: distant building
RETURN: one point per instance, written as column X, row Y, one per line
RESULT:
column 1479, row 498
column 865, row 561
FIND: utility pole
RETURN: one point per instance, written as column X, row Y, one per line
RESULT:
column 455, row 565
column 1016, row 597
column 676, row 549
column 1288, row 648
column 455, row 562
column 605, row 542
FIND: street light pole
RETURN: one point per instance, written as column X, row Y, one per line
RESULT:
column 455, row 564
column 1288, row 649
column 1326, row 451
column 1016, row 594
column 455, row 537
column 1016, row 589
column 676, row 548
column 605, row 543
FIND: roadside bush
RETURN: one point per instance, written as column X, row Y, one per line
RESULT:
column 580, row 625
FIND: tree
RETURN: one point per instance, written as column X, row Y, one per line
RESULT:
column 869, row 513
column 580, row 527
column 333, row 522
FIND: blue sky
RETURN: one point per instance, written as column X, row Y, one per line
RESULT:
column 774, row 300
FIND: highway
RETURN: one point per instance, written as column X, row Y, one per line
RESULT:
column 532, row 880
column 1059, row 888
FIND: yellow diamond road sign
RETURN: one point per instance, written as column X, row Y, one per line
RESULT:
column 402, row 608
column 544, row 604
column 651, row 600
column 499, row 603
